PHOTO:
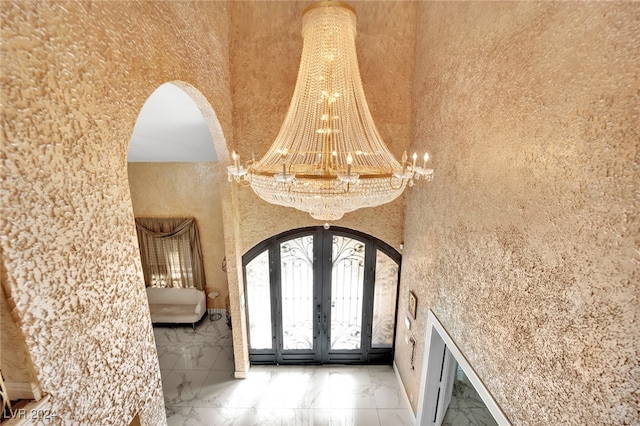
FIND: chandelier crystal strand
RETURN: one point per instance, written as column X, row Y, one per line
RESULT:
column 328, row 158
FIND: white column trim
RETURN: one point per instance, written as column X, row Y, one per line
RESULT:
column 435, row 330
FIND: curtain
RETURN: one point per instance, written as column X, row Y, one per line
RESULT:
column 170, row 252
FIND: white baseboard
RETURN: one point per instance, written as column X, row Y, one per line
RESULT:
column 404, row 390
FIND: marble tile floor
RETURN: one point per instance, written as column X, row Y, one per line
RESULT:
column 466, row 407
column 199, row 388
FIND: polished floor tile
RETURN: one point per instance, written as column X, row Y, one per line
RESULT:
column 466, row 407
column 200, row 389
column 396, row 417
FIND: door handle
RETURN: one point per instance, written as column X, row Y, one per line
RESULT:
column 324, row 326
column 319, row 321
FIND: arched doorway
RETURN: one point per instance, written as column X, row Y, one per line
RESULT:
column 318, row 295
column 223, row 282
column 173, row 172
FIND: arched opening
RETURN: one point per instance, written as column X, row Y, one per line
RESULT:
column 171, row 128
column 185, row 176
column 321, row 295
column 174, row 173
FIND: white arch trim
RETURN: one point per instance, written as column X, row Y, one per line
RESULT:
column 435, row 341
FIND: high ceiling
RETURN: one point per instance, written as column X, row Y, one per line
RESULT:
column 265, row 50
column 265, row 44
column 170, row 128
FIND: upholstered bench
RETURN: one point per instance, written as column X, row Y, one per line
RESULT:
column 176, row 305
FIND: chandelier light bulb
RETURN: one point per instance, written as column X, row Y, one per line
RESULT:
column 404, row 162
column 236, row 160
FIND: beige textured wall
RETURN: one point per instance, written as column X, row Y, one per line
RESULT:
column 266, row 44
column 528, row 252
column 186, row 190
column 74, row 78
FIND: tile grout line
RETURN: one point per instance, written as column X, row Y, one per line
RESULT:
column 330, row 412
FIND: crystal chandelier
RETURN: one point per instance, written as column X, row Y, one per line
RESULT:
column 328, row 158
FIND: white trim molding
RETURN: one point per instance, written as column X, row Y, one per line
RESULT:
column 22, row 390
column 435, row 340
column 403, row 390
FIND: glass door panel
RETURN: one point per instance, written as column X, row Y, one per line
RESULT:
column 347, row 285
column 259, row 302
column 384, row 301
column 296, row 282
column 319, row 295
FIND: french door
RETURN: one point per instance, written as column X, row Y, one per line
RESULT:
column 321, row 296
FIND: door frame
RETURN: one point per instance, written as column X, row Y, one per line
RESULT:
column 436, row 340
column 321, row 352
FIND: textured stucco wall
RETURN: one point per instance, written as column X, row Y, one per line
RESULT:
column 265, row 57
column 74, row 78
column 528, row 252
column 186, row 190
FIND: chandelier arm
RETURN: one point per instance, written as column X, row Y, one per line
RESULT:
column 391, row 183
